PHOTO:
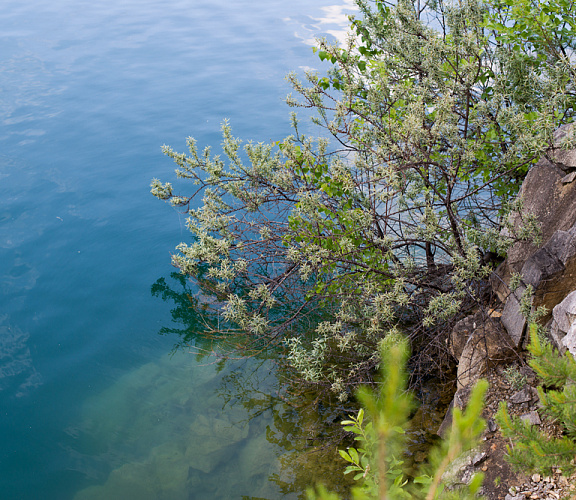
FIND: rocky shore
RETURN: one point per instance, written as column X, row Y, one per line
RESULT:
column 490, row 343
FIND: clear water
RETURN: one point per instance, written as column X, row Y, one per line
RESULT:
column 91, row 404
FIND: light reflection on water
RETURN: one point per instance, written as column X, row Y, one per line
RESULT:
column 89, row 91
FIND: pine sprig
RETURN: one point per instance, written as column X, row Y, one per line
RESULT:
column 533, row 449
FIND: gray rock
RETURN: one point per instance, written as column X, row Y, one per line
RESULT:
column 555, row 334
column 532, row 418
column 459, row 470
column 479, row 458
column 552, row 269
column 523, row 396
column 512, row 318
column 569, row 341
column 563, row 326
column 492, row 425
column 545, row 262
column 565, row 313
column 568, row 178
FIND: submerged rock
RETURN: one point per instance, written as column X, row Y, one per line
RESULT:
column 210, row 438
column 171, row 430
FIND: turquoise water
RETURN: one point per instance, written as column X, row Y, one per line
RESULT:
column 91, row 403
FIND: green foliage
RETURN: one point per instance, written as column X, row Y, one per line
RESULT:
column 533, row 449
column 514, row 377
column 391, row 222
column 379, row 429
column 537, row 38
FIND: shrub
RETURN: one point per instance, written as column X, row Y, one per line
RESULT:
column 390, row 223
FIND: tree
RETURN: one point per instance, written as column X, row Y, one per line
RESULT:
column 390, row 222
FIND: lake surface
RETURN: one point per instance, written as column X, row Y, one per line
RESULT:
column 94, row 401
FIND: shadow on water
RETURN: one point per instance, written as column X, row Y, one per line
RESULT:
column 194, row 425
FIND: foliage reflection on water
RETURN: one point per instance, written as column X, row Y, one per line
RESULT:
column 305, row 434
column 306, row 425
column 195, row 425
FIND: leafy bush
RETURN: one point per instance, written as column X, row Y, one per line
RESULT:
column 390, row 224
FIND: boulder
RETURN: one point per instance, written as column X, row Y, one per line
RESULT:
column 479, row 342
column 564, row 313
column 512, row 319
column 486, row 346
column 523, row 396
column 563, row 325
column 461, row 470
column 461, row 332
column 531, row 417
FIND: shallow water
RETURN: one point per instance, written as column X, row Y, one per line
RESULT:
column 174, row 433
column 90, row 400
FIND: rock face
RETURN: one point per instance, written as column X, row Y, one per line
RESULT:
column 548, row 271
column 551, row 271
column 482, row 341
column 549, row 193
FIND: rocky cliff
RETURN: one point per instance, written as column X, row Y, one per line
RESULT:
column 490, row 343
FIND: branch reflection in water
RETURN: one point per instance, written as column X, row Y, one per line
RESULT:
column 303, row 430
column 203, row 421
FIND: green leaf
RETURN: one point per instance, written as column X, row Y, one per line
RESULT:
column 345, row 456
column 352, row 468
column 424, row 479
column 476, row 483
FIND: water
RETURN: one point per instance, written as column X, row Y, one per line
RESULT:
column 90, row 401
